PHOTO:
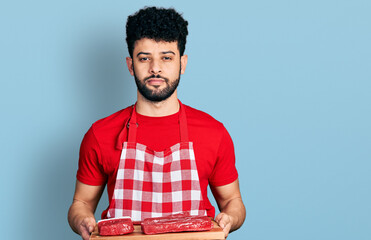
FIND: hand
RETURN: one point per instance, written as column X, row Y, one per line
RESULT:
column 225, row 222
column 86, row 227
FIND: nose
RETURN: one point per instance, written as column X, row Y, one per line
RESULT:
column 155, row 67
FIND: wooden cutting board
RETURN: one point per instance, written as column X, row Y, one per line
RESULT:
column 215, row 233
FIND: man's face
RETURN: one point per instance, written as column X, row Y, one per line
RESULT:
column 156, row 67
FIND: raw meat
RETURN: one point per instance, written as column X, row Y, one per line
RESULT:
column 176, row 223
column 115, row 226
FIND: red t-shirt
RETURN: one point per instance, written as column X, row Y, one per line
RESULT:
column 213, row 147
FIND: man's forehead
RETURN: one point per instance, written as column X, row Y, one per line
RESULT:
column 155, row 46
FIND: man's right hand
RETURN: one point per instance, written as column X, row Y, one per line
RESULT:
column 81, row 213
column 86, row 227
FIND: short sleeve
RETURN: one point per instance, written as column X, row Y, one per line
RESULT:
column 224, row 171
column 90, row 168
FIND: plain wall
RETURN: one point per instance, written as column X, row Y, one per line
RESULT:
column 290, row 80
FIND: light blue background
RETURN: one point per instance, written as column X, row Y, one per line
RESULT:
column 291, row 81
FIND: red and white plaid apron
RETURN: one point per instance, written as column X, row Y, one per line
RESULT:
column 155, row 184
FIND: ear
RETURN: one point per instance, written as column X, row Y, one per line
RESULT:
column 183, row 62
column 129, row 63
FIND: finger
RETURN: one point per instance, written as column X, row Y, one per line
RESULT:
column 87, row 227
column 224, row 222
column 89, row 223
column 221, row 219
column 217, row 218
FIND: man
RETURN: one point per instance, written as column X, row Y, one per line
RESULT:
column 158, row 156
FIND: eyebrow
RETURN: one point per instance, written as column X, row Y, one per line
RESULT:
column 167, row 52
column 144, row 53
column 147, row 53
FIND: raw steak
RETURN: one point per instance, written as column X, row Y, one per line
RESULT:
column 176, row 223
column 115, row 226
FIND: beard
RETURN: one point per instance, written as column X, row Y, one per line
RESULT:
column 156, row 95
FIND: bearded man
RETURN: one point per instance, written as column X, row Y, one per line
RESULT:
column 158, row 156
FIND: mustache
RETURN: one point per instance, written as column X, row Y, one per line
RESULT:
column 156, row 76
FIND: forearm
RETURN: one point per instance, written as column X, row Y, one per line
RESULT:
column 237, row 212
column 77, row 213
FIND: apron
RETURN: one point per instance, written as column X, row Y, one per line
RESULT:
column 154, row 184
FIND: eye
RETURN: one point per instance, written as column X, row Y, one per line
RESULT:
column 167, row 58
column 143, row 59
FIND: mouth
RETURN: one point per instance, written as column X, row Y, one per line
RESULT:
column 155, row 81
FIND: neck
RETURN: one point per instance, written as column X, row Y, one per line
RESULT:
column 157, row 109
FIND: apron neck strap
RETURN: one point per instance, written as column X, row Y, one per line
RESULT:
column 133, row 125
column 183, row 125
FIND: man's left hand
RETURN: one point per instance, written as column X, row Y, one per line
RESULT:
column 225, row 222
column 232, row 210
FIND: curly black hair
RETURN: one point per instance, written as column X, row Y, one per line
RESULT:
column 159, row 24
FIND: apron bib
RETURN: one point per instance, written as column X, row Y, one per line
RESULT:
column 155, row 184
